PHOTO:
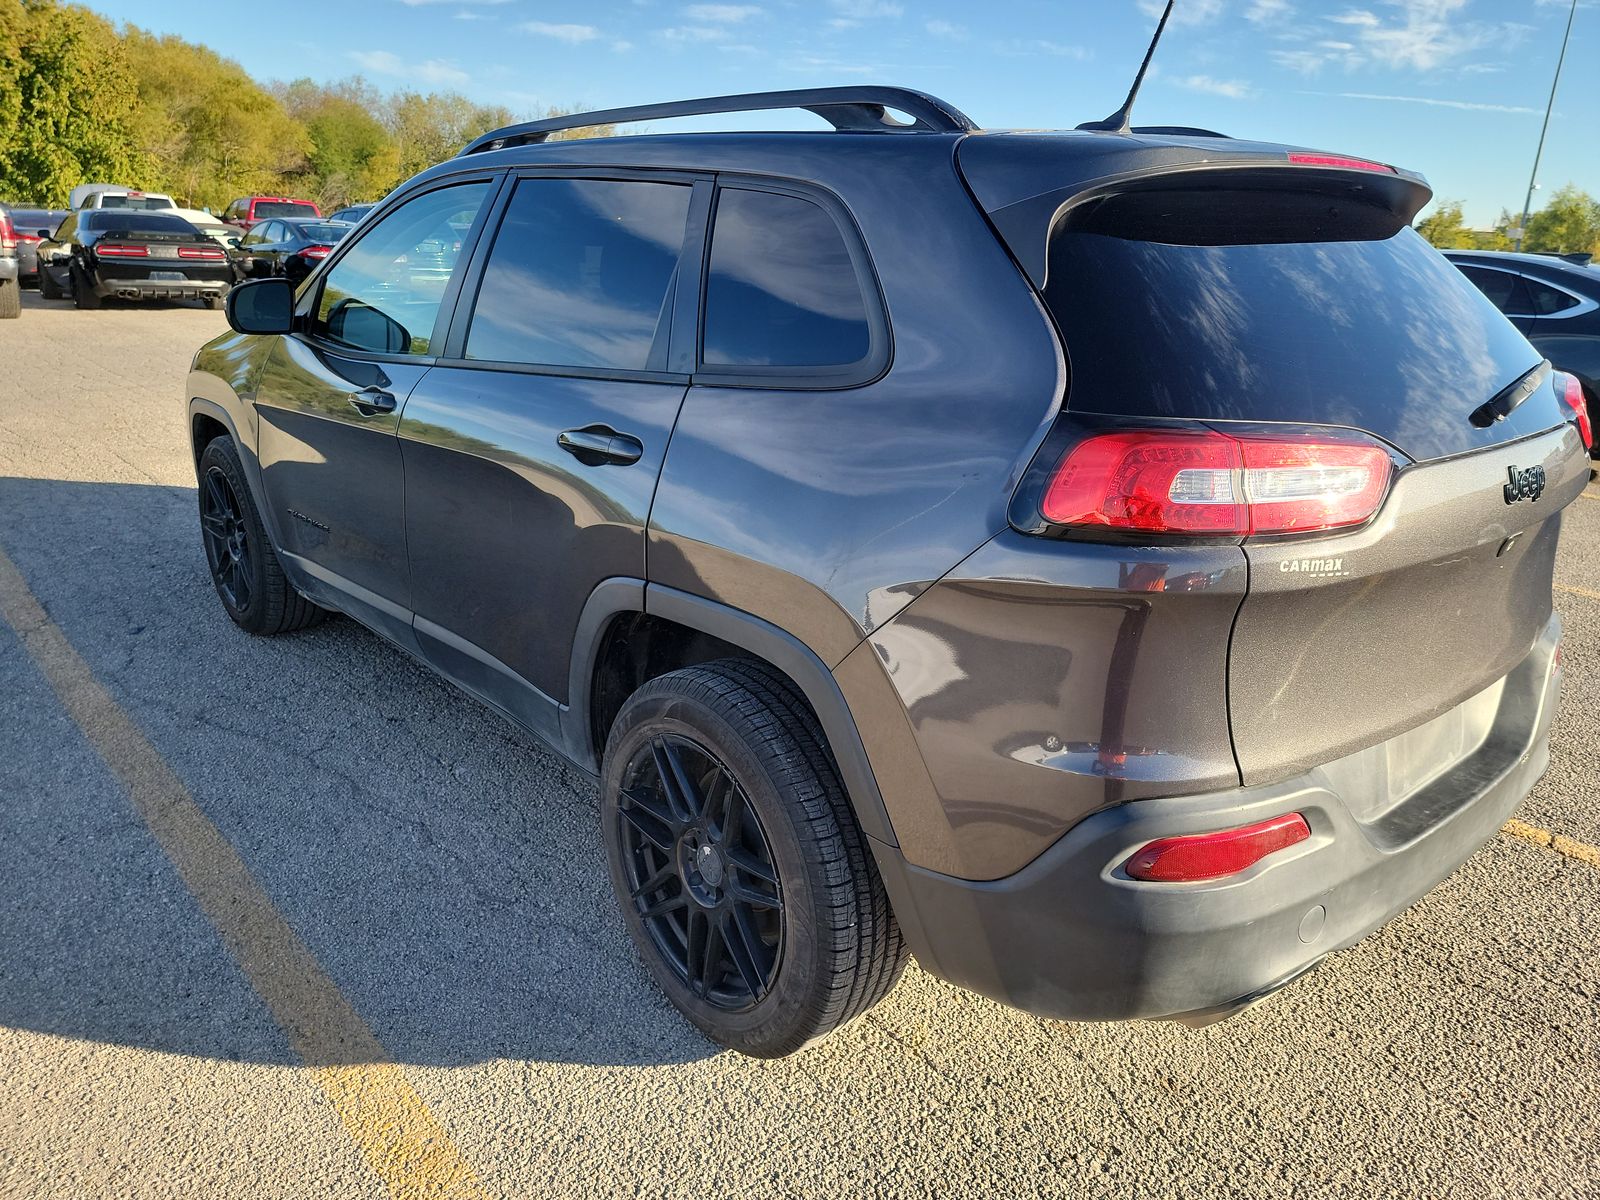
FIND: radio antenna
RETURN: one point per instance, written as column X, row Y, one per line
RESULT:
column 1117, row 122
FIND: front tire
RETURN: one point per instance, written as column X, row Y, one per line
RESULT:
column 744, row 879
column 244, row 567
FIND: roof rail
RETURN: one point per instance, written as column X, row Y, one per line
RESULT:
column 845, row 108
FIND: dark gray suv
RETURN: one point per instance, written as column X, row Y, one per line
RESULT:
column 1113, row 566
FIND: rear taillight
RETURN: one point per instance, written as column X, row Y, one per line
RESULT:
column 316, row 252
column 120, row 250
column 1306, row 159
column 28, row 239
column 1571, row 393
column 1204, row 483
column 8, row 235
column 1199, row 856
column 209, row 253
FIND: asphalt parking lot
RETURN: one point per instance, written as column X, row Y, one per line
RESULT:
column 292, row 918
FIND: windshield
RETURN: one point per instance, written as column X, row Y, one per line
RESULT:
column 266, row 209
column 141, row 203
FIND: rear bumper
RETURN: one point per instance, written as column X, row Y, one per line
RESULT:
column 1073, row 936
column 156, row 289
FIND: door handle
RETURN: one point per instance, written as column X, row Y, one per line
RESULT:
column 595, row 445
column 372, row 401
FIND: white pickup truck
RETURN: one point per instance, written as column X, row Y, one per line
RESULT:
column 111, row 195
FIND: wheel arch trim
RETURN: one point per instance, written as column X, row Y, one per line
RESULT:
column 780, row 649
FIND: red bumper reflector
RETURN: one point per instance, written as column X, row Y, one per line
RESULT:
column 1200, row 856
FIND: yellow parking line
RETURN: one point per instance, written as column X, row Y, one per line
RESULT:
column 1560, row 843
column 401, row 1139
column 1578, row 591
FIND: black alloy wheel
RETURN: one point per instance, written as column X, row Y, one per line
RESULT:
column 700, row 872
column 227, row 539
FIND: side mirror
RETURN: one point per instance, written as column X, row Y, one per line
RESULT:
column 360, row 325
column 44, row 233
column 261, row 306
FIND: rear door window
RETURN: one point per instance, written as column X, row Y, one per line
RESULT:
column 1505, row 290
column 782, row 289
column 581, row 274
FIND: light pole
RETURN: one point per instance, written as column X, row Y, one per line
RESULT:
column 1527, row 201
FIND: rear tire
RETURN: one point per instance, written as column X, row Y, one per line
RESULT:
column 10, row 300
column 744, row 879
column 83, row 294
column 244, row 566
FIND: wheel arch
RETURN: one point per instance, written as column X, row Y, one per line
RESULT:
column 708, row 630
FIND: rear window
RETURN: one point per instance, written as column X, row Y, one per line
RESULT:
column 331, row 232
column 1381, row 334
column 136, row 221
column 267, row 209
column 137, row 203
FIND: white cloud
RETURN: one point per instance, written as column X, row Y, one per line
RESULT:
column 1432, row 102
column 1193, row 12
column 945, row 29
column 572, row 34
column 721, row 14
column 1041, row 46
column 420, row 3
column 1262, row 11
column 622, row 46
column 1357, row 16
column 434, row 70
column 685, row 34
column 1405, row 35
column 858, row 9
column 1233, row 89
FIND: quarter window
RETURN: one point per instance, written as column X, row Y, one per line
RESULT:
column 781, row 289
column 581, row 274
column 1548, row 300
column 1504, row 290
column 384, row 294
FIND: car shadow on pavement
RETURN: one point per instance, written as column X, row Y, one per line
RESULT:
column 444, row 868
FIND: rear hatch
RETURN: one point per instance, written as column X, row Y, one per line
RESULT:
column 1280, row 295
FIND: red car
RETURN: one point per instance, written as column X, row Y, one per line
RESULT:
column 247, row 210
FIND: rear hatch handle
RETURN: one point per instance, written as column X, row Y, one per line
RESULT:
column 1506, row 402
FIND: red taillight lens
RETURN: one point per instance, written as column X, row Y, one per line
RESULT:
column 120, row 250
column 8, row 235
column 1201, row 482
column 1571, row 392
column 316, row 252
column 1199, row 856
column 1338, row 160
column 29, row 238
column 209, row 253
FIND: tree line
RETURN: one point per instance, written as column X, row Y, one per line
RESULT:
column 1569, row 223
column 83, row 101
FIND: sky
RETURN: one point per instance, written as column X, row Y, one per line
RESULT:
column 1455, row 89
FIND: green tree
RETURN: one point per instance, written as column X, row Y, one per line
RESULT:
column 1445, row 227
column 68, row 107
column 213, row 132
column 1571, row 221
column 352, row 156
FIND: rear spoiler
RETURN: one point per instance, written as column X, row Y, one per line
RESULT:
column 1388, row 198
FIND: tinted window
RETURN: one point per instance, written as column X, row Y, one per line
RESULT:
column 580, row 274
column 284, row 208
column 1383, row 335
column 1502, row 287
column 141, row 203
column 1547, row 299
column 134, row 221
column 384, row 295
column 320, row 232
column 781, row 289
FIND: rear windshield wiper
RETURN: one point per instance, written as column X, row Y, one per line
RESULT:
column 1506, row 402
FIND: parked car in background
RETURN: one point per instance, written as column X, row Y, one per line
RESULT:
column 351, row 213
column 10, row 270
column 290, row 247
column 1554, row 301
column 133, row 254
column 748, row 471
column 132, row 198
column 214, row 227
column 26, row 224
column 247, row 210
